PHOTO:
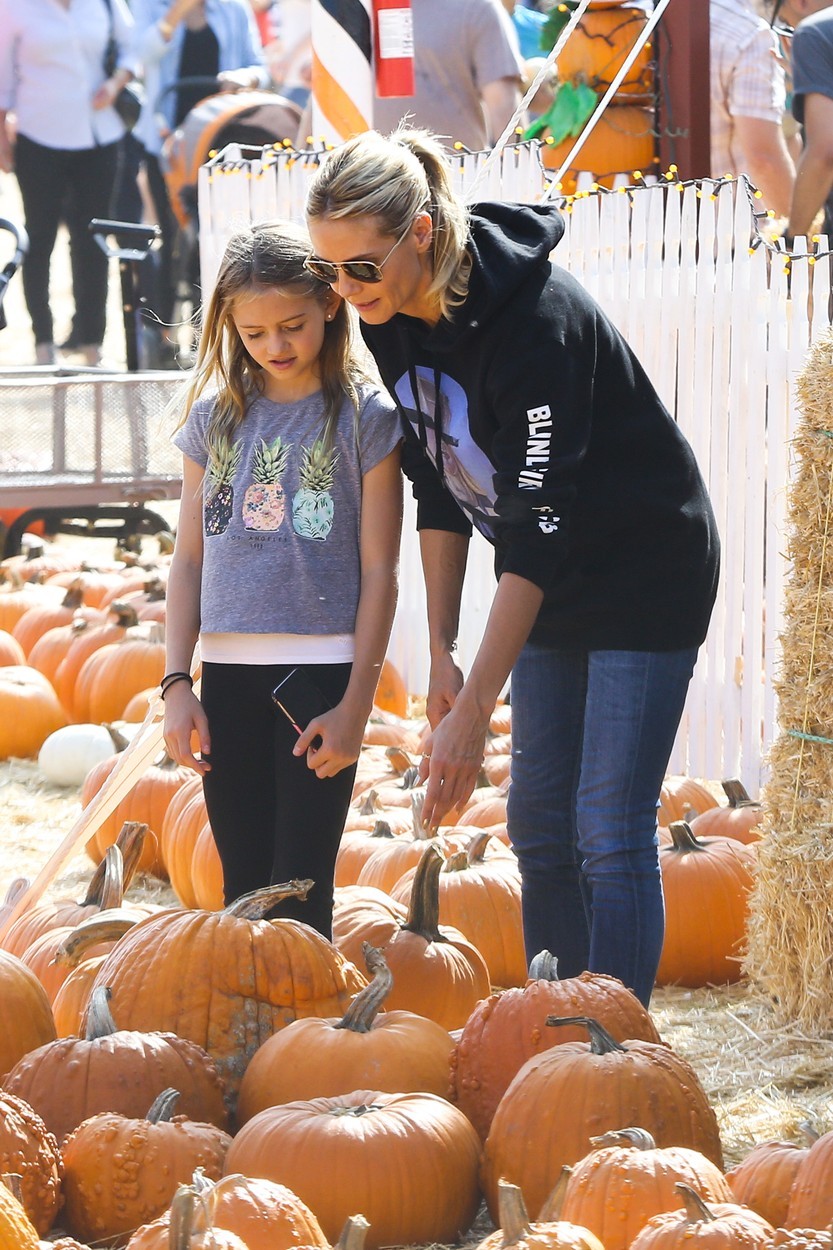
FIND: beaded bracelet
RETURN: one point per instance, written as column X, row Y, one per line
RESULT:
column 170, row 679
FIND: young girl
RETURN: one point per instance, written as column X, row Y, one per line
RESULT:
column 286, row 557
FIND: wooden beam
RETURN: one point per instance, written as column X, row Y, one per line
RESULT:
column 684, row 88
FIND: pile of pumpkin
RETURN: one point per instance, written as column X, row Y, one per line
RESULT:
column 202, row 1076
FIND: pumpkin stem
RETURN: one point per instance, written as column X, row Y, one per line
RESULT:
column 100, row 1022
column 684, row 838
column 255, row 904
column 476, row 849
column 809, row 1132
column 120, row 743
column 424, row 906
column 638, row 1138
column 124, row 613
column 364, row 1008
column 382, row 830
column 19, row 886
column 512, row 1213
column 421, row 830
column 131, row 839
column 353, row 1234
column 370, row 804
column 601, row 1043
column 400, row 761
column 74, row 598
column 188, row 1218
column 106, row 880
column 695, row 1208
column 105, row 926
column 544, row 967
column 735, row 792
column 553, row 1205
column 162, row 1109
column 458, row 861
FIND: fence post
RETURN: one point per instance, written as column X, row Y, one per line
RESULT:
column 683, row 113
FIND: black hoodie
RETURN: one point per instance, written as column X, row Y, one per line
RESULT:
column 555, row 444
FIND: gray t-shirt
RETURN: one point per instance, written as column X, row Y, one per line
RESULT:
column 459, row 47
column 812, row 59
column 281, row 515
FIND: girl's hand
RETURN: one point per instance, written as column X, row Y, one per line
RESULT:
column 452, row 760
column 331, row 741
column 184, row 716
column 444, row 684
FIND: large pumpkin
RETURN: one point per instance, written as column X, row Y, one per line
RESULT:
column 27, row 1014
column 626, row 1180
column 16, row 1229
column 550, row 1232
column 740, row 818
column 569, row 1094
column 316, row 1058
column 811, row 1196
column 407, row 1162
column 706, row 883
column 763, row 1180
column 112, row 1069
column 391, row 692
column 28, row 1150
column 598, row 47
column 622, row 141
column 110, row 677
column 147, row 802
column 509, row 1027
column 227, row 980
column 121, row 1172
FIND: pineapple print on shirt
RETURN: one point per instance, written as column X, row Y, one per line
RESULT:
column 313, row 508
column 264, row 503
column 223, row 463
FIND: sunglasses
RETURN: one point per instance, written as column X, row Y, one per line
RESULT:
column 366, row 271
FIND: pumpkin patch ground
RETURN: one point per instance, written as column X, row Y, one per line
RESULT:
column 763, row 1080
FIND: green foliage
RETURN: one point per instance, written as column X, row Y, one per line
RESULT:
column 566, row 117
column 558, row 18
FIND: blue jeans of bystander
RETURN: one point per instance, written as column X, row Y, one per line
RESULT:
column 592, row 733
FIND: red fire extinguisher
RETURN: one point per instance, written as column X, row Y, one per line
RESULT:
column 394, row 44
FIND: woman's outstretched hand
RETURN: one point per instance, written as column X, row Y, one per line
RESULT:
column 452, row 760
column 184, row 716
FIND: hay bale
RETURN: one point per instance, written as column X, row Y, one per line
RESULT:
column 790, row 946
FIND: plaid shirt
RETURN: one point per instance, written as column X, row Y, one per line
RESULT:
column 747, row 79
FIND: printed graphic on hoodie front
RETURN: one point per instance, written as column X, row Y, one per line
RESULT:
column 467, row 471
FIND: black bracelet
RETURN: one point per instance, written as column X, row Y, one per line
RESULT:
column 170, row 679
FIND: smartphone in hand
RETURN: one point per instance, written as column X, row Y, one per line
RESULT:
column 300, row 700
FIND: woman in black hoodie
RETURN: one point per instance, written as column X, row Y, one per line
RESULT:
column 527, row 415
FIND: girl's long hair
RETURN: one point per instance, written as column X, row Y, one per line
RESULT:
column 394, row 179
column 266, row 257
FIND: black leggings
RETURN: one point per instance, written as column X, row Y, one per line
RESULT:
column 272, row 818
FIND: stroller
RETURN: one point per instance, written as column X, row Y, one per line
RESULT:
column 250, row 118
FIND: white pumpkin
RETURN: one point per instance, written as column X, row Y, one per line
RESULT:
column 68, row 754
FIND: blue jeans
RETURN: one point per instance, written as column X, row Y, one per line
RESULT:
column 592, row 733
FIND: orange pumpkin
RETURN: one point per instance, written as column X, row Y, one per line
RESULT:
column 28, row 1150
column 740, row 819
column 425, row 1149
column 509, row 1027
column 391, row 692
column 121, row 1172
column 27, row 1015
column 699, row 1226
column 11, row 651
column 706, row 884
column 110, row 677
column 146, row 803
column 626, row 1179
column 16, row 1229
column 112, row 1069
column 316, row 1058
column 34, row 623
column 598, row 47
column 565, row 1096
column 264, row 1215
column 683, row 798
column 623, row 140
column 549, row 1232
column 29, row 711
column 764, row 1179
column 87, row 637
column 811, row 1196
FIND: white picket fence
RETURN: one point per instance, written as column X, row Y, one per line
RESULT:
column 722, row 331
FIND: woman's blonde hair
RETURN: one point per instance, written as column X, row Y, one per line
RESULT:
column 261, row 258
column 394, row 179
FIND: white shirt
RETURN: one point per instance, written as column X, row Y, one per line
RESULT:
column 52, row 64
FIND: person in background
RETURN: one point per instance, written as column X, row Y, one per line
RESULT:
column 528, row 24
column 527, row 415
column 174, row 40
column 812, row 105
column 748, row 97
column 64, row 151
column 286, row 559
column 467, row 69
